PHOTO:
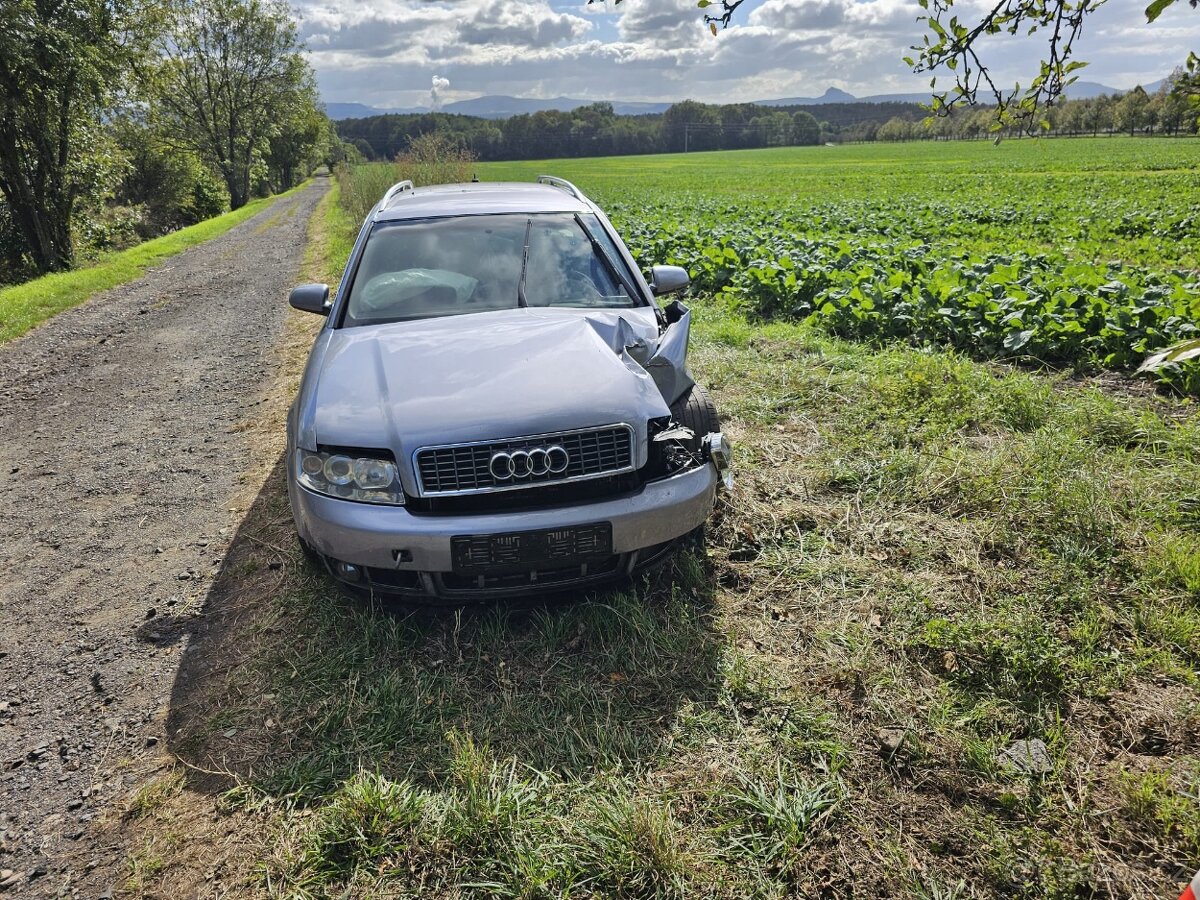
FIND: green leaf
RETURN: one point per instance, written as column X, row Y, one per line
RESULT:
column 1154, row 10
column 1174, row 354
column 1015, row 340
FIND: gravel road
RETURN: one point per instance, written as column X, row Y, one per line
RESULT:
column 119, row 462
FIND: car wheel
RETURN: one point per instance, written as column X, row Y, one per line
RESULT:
column 695, row 410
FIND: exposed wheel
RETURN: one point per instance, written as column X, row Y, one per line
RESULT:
column 695, row 410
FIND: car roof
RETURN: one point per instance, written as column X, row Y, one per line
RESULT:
column 480, row 198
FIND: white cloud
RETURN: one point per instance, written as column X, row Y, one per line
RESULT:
column 386, row 52
column 786, row 15
column 664, row 23
column 520, row 25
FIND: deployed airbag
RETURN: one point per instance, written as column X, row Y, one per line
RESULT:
column 390, row 291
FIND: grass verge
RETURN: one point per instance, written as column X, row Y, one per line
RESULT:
column 331, row 235
column 927, row 565
column 27, row 305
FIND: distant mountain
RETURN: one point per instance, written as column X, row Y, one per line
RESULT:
column 501, row 107
column 831, row 95
column 1080, row 90
column 918, row 97
column 339, row 111
column 1089, row 90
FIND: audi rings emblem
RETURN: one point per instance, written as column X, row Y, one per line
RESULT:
column 552, row 460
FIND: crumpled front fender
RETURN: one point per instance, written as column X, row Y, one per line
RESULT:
column 668, row 365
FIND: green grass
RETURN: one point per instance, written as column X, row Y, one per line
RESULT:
column 926, row 558
column 27, row 305
column 332, row 231
column 154, row 794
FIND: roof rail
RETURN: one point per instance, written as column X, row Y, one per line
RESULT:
column 563, row 184
column 397, row 188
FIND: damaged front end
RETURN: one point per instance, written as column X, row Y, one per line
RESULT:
column 675, row 448
column 691, row 435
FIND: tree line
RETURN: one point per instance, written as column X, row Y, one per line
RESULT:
column 1136, row 112
column 121, row 120
column 596, row 130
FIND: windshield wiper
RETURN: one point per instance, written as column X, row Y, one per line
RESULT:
column 521, row 301
column 600, row 251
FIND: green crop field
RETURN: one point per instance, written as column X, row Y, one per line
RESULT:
column 1066, row 252
column 943, row 640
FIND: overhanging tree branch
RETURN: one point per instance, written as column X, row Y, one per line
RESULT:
column 955, row 45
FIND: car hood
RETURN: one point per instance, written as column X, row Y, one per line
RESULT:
column 480, row 377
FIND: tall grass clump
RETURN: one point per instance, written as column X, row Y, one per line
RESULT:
column 430, row 159
column 361, row 187
column 435, row 159
column 632, row 847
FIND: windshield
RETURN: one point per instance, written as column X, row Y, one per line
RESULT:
column 447, row 267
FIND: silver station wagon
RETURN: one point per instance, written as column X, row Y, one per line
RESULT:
column 497, row 404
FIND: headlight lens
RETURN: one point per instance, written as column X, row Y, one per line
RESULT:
column 365, row 479
column 338, row 470
column 373, row 474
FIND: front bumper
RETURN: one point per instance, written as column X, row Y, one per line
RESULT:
column 404, row 552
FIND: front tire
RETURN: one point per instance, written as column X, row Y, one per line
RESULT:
column 696, row 410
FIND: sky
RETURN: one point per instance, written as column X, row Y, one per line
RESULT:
column 408, row 53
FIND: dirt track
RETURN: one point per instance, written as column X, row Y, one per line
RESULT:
column 119, row 462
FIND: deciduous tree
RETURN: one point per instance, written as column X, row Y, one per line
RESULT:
column 297, row 137
column 805, row 129
column 229, row 71
column 62, row 64
column 691, row 126
column 1131, row 110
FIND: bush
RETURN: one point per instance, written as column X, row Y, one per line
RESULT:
column 362, row 186
column 435, row 158
column 173, row 188
column 14, row 267
column 430, row 159
column 209, row 197
column 109, row 228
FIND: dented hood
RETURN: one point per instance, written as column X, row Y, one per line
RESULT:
column 488, row 376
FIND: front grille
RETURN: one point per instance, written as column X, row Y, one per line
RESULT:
column 464, row 468
column 547, row 496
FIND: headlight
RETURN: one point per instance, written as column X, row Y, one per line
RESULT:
column 365, row 479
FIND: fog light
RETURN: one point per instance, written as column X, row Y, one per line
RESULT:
column 717, row 448
column 348, row 571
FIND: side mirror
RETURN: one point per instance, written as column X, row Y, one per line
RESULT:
column 313, row 298
column 668, row 279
